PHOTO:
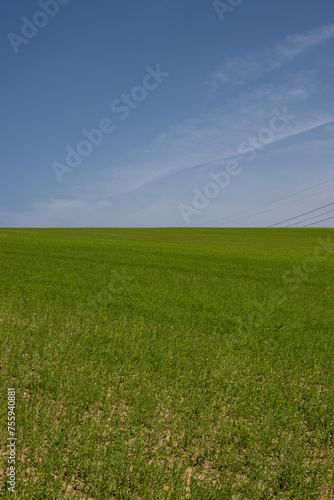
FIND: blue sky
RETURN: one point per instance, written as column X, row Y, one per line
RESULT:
column 192, row 113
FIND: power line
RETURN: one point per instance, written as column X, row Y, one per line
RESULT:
column 310, row 218
column 270, row 203
column 297, row 216
column 318, row 222
column 280, row 206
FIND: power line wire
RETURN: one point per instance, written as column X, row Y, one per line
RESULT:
column 267, row 204
column 280, row 206
column 310, row 218
column 301, row 215
column 318, row 222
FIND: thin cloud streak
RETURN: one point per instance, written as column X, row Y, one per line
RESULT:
column 212, row 162
column 238, row 71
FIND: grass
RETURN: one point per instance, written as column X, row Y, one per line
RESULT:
column 142, row 370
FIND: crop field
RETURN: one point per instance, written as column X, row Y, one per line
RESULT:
column 168, row 363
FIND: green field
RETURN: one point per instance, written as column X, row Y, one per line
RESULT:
column 169, row 363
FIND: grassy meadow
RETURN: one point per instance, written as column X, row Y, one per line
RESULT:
column 168, row 363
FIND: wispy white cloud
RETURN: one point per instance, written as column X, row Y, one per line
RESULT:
column 129, row 190
column 215, row 135
column 237, row 71
column 57, row 212
column 325, row 146
column 127, row 212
